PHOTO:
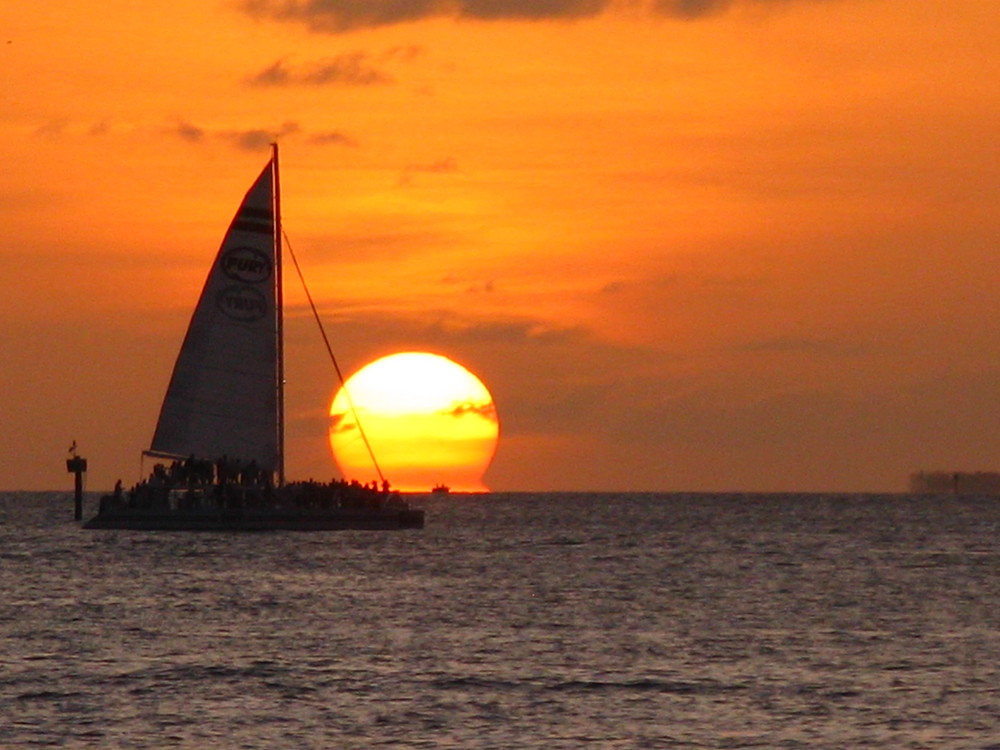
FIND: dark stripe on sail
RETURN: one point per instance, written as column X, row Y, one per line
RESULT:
column 252, row 226
column 163, row 454
column 249, row 212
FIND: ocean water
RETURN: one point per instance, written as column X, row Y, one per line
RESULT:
column 513, row 621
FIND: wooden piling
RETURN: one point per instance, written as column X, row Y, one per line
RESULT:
column 77, row 466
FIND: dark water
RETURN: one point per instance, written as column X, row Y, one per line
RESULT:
column 525, row 621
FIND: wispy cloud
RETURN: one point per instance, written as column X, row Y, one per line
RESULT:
column 486, row 410
column 65, row 126
column 690, row 8
column 435, row 167
column 338, row 423
column 333, row 137
column 335, row 16
column 188, row 132
column 53, row 127
column 348, row 69
column 790, row 345
column 441, row 166
column 257, row 139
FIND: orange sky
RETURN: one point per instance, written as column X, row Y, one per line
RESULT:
column 747, row 248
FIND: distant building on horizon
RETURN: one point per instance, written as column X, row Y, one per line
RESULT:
column 955, row 482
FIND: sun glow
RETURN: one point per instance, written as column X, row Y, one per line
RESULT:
column 429, row 421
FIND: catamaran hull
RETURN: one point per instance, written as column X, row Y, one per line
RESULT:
column 248, row 520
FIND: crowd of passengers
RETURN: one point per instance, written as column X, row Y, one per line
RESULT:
column 227, row 483
column 196, row 471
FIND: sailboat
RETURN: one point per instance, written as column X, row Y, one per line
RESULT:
column 221, row 425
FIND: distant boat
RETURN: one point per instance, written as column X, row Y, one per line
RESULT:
column 221, row 426
column 440, row 489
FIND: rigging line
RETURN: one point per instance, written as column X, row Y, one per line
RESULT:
column 333, row 359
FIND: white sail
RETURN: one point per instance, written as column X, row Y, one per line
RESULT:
column 224, row 396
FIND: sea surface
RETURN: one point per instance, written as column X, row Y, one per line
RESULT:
column 513, row 621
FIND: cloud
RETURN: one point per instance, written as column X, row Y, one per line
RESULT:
column 487, row 287
column 348, row 69
column 507, row 331
column 485, row 410
column 437, row 167
column 795, row 345
column 333, row 137
column 188, row 132
column 404, row 52
column 53, row 127
column 689, row 8
column 257, row 139
column 344, row 15
column 65, row 126
column 441, row 166
column 336, row 16
column 338, row 423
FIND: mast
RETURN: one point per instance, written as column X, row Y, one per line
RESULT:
column 279, row 316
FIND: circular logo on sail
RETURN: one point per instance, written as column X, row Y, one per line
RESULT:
column 246, row 264
column 242, row 303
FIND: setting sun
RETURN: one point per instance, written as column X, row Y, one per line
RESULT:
column 429, row 421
